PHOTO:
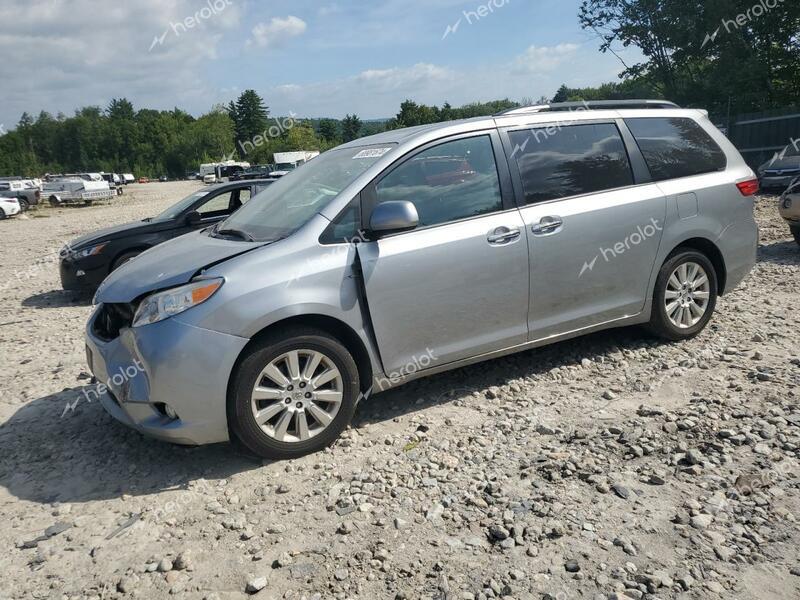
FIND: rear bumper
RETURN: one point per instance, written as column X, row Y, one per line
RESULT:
column 166, row 363
column 739, row 247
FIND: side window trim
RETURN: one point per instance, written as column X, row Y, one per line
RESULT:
column 516, row 177
column 369, row 195
column 327, row 238
column 641, row 172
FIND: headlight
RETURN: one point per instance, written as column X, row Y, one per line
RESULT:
column 90, row 251
column 169, row 303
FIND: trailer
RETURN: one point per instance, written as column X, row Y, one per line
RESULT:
column 76, row 189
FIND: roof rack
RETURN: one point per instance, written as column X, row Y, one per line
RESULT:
column 590, row 105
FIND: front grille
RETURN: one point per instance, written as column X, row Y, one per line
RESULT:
column 781, row 173
column 111, row 319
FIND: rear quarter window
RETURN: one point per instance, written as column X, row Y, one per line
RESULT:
column 676, row 147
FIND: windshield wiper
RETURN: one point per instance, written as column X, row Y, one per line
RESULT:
column 236, row 233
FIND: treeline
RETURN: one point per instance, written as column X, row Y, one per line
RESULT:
column 152, row 143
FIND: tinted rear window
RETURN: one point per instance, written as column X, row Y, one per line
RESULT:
column 559, row 162
column 675, row 147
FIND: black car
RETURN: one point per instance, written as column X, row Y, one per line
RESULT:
column 88, row 260
column 256, row 172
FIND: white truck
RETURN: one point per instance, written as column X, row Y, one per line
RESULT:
column 285, row 162
column 70, row 189
column 221, row 171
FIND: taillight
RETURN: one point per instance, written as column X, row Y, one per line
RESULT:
column 748, row 188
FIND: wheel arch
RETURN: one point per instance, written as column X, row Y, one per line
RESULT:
column 710, row 250
column 140, row 248
column 331, row 325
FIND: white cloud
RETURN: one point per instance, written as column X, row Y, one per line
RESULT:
column 544, row 59
column 408, row 78
column 64, row 55
column 378, row 92
column 278, row 31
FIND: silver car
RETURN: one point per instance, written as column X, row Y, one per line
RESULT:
column 789, row 208
column 417, row 251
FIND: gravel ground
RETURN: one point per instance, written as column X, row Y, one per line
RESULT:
column 612, row 466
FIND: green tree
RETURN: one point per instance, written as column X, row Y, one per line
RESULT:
column 351, row 128
column 329, row 130
column 249, row 115
column 703, row 53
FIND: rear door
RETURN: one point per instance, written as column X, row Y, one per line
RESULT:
column 457, row 286
column 593, row 220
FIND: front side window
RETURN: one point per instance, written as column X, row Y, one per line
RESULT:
column 676, row 147
column 452, row 181
column 561, row 162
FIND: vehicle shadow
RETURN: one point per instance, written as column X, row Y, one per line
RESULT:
column 58, row 299
column 452, row 385
column 63, row 448
column 781, row 253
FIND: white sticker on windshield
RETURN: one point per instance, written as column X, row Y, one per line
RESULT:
column 372, row 153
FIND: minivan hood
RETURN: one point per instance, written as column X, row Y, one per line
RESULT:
column 170, row 264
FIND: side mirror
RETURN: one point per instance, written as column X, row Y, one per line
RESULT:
column 393, row 217
column 193, row 219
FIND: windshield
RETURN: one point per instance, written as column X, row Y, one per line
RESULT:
column 290, row 202
column 174, row 211
column 284, row 166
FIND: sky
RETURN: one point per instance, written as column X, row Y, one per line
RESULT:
column 306, row 58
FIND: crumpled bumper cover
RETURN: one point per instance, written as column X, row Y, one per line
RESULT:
column 172, row 363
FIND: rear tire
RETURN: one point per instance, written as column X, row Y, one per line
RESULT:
column 685, row 296
column 53, row 201
column 796, row 234
column 3, row 214
column 24, row 205
column 281, row 436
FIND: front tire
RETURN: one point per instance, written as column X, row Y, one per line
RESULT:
column 3, row 214
column 121, row 260
column 796, row 234
column 685, row 296
column 293, row 394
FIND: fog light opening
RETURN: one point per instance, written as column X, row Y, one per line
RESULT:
column 167, row 411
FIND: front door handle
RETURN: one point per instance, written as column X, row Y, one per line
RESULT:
column 503, row 235
column 547, row 226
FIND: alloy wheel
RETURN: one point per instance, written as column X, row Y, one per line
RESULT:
column 687, row 295
column 297, row 395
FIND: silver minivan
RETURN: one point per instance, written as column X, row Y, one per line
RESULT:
column 417, row 251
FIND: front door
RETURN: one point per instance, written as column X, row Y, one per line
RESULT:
column 457, row 286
